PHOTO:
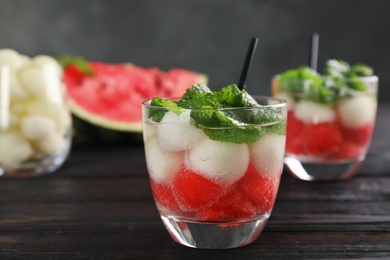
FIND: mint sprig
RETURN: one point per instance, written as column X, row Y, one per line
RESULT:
column 339, row 81
column 214, row 113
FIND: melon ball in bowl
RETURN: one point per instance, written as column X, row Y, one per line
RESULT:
column 35, row 123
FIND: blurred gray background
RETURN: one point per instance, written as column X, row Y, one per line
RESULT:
column 208, row 36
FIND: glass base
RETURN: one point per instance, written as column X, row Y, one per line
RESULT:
column 310, row 170
column 217, row 235
column 34, row 167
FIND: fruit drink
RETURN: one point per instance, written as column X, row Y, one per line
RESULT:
column 214, row 157
column 330, row 117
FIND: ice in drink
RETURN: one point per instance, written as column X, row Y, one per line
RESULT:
column 330, row 118
column 214, row 161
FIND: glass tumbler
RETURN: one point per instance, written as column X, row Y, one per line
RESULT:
column 214, row 194
column 35, row 123
column 327, row 142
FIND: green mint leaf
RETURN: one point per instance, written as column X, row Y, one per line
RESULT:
column 339, row 82
column 355, row 83
column 227, row 95
column 205, row 100
column 336, row 68
column 237, row 135
column 79, row 62
column 196, row 91
column 218, row 127
column 279, row 128
column 214, row 113
column 156, row 114
column 362, row 70
column 300, row 80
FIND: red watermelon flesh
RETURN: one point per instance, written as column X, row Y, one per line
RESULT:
column 112, row 96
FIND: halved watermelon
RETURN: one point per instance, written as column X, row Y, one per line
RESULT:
column 109, row 95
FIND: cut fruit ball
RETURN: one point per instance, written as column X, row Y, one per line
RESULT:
column 194, row 192
column 322, row 139
column 175, row 133
column 359, row 136
column 164, row 195
column 267, row 154
column 314, row 113
column 223, row 163
column 11, row 58
column 33, row 79
column 45, row 61
column 36, row 127
column 57, row 112
column 16, row 90
column 149, row 131
column 14, row 148
column 294, row 134
column 52, row 144
column 233, row 206
column 261, row 190
column 349, row 150
column 357, row 111
column 162, row 166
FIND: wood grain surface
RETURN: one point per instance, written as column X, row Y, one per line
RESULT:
column 99, row 206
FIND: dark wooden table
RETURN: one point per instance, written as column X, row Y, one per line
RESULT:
column 99, row 206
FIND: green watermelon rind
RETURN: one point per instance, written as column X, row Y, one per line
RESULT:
column 104, row 122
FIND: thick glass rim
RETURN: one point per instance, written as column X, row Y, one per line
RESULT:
column 279, row 103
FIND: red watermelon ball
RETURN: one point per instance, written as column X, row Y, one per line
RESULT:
column 164, row 195
column 349, row 150
column 233, row 206
column 294, row 134
column 194, row 192
column 322, row 139
column 261, row 190
column 361, row 135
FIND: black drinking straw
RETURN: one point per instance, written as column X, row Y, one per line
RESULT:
column 315, row 38
column 247, row 63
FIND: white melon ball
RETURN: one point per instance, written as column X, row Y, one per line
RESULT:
column 357, row 111
column 24, row 59
column 267, row 154
column 288, row 97
column 162, row 166
column 14, row 148
column 219, row 161
column 42, row 82
column 311, row 112
column 57, row 112
column 175, row 133
column 52, row 144
column 18, row 108
column 149, row 131
column 35, row 80
column 11, row 58
column 36, row 127
column 16, row 90
column 46, row 61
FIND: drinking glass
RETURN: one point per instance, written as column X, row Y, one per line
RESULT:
column 35, row 123
column 209, row 193
column 327, row 142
